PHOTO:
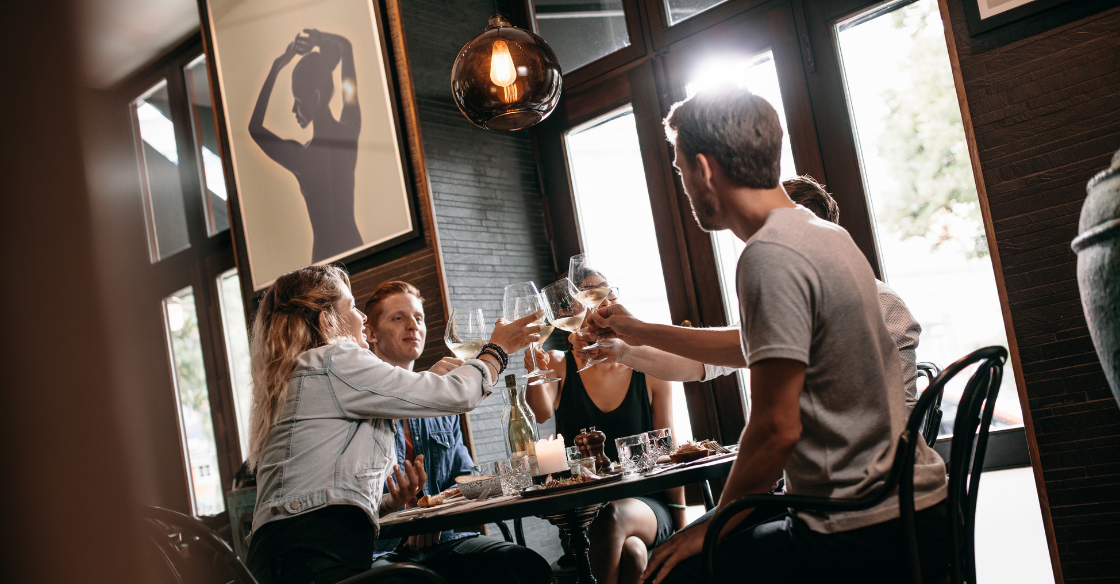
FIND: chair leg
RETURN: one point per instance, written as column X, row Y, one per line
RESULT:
column 709, row 502
column 505, row 530
column 519, row 532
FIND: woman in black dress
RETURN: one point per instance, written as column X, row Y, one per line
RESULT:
column 620, row 402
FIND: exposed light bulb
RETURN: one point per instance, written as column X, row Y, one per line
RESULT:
column 502, row 71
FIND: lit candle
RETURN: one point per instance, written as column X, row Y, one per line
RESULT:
column 550, row 455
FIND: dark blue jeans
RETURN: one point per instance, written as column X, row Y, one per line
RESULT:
column 785, row 550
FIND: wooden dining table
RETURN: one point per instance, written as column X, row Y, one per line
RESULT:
column 571, row 510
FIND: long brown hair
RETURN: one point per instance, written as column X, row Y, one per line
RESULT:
column 286, row 325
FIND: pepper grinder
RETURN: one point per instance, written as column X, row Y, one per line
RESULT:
column 595, row 441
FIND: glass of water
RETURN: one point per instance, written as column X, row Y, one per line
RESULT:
column 633, row 454
column 514, row 474
column 485, row 469
column 661, row 441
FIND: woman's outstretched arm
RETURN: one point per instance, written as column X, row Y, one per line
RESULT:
column 278, row 149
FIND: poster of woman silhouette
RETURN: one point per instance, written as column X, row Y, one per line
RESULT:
column 314, row 143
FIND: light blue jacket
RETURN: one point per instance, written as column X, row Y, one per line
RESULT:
column 334, row 441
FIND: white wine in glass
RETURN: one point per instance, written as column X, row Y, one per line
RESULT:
column 466, row 332
column 521, row 300
column 592, row 297
column 563, row 301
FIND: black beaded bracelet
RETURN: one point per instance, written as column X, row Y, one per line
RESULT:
column 496, row 356
column 499, row 353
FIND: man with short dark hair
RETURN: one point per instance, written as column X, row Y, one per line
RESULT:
column 824, row 371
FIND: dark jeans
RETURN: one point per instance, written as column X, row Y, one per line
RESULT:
column 477, row 559
column 786, row 550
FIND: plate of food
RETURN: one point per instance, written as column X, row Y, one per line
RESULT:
column 552, row 485
column 689, row 452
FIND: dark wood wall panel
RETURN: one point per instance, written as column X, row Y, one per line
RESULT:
column 1044, row 111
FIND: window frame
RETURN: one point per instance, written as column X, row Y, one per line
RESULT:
column 197, row 266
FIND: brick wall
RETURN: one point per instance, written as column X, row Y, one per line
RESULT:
column 1044, row 112
column 487, row 202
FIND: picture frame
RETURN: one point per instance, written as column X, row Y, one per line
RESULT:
column 293, row 200
column 995, row 23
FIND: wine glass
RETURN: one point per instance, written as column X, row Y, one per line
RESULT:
column 466, row 332
column 567, row 311
column 521, row 300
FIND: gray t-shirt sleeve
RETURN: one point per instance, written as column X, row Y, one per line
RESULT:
column 778, row 289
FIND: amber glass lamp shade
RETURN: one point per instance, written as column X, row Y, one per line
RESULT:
column 506, row 78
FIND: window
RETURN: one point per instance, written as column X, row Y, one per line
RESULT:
column 609, row 182
column 759, row 75
column 581, row 31
column 195, row 424
column 159, row 173
column 237, row 351
column 191, row 265
column 926, row 216
column 212, row 179
column 918, row 176
column 678, row 10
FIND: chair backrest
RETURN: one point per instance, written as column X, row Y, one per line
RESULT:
column 966, row 454
column 933, row 418
column 189, row 552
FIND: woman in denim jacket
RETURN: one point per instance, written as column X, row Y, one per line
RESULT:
column 321, row 430
column 396, row 333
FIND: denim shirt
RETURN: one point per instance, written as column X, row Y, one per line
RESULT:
column 333, row 442
column 440, row 440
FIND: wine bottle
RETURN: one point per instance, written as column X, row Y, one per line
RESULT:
column 522, row 433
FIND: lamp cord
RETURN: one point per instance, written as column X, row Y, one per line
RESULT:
column 495, row 6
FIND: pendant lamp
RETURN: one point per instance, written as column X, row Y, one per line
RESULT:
column 506, row 78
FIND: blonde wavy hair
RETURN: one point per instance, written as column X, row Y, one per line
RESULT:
column 287, row 324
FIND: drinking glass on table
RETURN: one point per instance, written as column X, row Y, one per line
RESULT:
column 485, row 469
column 633, row 454
column 514, row 474
column 466, row 332
column 521, row 300
column 661, row 441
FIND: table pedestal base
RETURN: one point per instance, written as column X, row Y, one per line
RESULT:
column 573, row 523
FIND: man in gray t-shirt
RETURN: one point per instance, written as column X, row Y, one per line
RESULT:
column 824, row 370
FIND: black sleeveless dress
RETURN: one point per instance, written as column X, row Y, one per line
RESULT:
column 576, row 410
column 633, row 416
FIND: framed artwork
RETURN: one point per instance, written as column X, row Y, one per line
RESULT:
column 317, row 159
column 994, row 23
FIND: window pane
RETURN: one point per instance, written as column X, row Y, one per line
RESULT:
column 237, row 351
column 1010, row 539
column 159, row 173
column 194, row 403
column 206, row 144
column 918, row 176
column 609, row 181
column 760, row 76
column 581, row 31
column 679, row 10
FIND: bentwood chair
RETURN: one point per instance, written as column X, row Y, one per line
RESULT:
column 965, row 463
column 186, row 551
column 933, row 418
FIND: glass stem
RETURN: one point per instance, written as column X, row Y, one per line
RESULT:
column 533, row 354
